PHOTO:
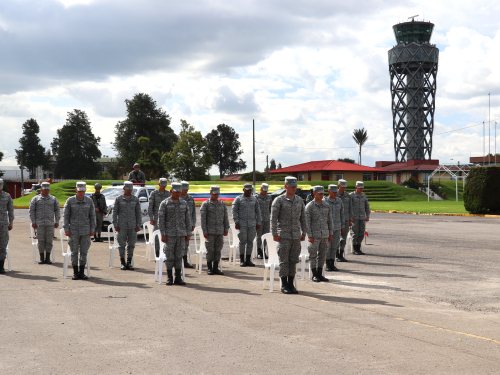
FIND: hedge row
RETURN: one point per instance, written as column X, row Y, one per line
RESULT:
column 482, row 190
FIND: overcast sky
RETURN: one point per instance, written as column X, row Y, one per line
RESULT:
column 308, row 72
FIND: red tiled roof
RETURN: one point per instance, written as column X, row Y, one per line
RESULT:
column 327, row 165
column 396, row 167
column 233, row 177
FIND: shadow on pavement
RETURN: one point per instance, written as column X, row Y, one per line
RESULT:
column 26, row 276
column 241, row 275
column 205, row 288
column 100, row 281
column 377, row 274
column 352, row 301
column 379, row 264
column 396, row 256
column 369, row 286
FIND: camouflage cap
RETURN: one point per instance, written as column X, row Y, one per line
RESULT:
column 128, row 185
column 333, row 188
column 343, row 183
column 163, row 181
column 291, row 181
column 81, row 186
column 39, row 191
column 185, row 185
column 214, row 189
column 177, row 187
column 45, row 185
column 247, row 186
column 1, row 183
column 319, row 189
column 264, row 187
column 360, row 184
column 137, row 165
column 97, row 186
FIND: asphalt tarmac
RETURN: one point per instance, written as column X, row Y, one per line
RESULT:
column 424, row 299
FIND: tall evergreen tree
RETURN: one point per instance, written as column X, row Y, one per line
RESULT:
column 31, row 154
column 76, row 148
column 225, row 148
column 272, row 165
column 144, row 119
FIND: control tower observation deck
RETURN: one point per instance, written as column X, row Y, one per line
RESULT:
column 413, row 65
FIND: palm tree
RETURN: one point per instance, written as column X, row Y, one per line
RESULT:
column 360, row 136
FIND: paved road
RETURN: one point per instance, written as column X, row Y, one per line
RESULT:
column 425, row 299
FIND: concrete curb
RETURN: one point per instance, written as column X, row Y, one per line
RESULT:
column 435, row 214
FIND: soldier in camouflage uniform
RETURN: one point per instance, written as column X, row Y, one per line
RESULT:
column 337, row 208
column 127, row 220
column 192, row 212
column 43, row 209
column 361, row 214
column 155, row 200
column 310, row 197
column 347, row 201
column 288, row 226
column 100, row 209
column 6, row 220
column 265, row 201
column 247, row 218
column 175, row 227
column 319, row 231
column 137, row 175
column 79, row 224
column 215, row 225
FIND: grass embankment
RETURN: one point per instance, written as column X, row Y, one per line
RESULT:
column 448, row 187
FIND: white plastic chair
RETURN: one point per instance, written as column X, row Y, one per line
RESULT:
column 201, row 249
column 34, row 243
column 272, row 262
column 148, row 235
column 67, row 256
column 161, row 258
column 348, row 244
column 233, row 243
column 303, row 257
column 8, row 258
column 114, row 246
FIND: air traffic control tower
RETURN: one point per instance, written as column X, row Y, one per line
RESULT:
column 413, row 66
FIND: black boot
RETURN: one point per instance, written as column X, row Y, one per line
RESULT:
column 2, row 270
column 357, row 249
column 285, row 288
column 248, row 262
column 332, row 264
column 210, row 270
column 47, row 258
column 76, row 274
column 320, row 275
column 170, row 279
column 186, row 264
column 291, row 285
column 242, row 260
column 82, row 272
column 178, row 277
column 259, row 253
column 95, row 238
column 328, row 267
column 42, row 258
column 315, row 277
column 217, row 271
column 341, row 257
column 124, row 265
column 129, row 264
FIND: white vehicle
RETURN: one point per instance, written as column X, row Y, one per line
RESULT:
column 112, row 192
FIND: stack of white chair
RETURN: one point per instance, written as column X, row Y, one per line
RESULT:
column 233, row 243
column 67, row 256
column 161, row 258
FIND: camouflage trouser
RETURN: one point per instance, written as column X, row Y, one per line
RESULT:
column 214, row 244
column 288, row 252
column 4, row 240
column 264, row 228
column 45, row 237
column 333, row 247
column 174, row 250
column 358, row 227
column 246, row 236
column 317, row 252
column 98, row 224
column 128, row 238
column 79, row 244
column 343, row 236
column 186, row 246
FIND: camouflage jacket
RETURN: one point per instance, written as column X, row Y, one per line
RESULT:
column 319, row 219
column 174, row 218
column 360, row 206
column 6, row 207
column 155, row 199
column 140, row 176
column 347, row 200
column 192, row 208
column 288, row 218
column 127, row 212
column 214, row 218
column 79, row 216
column 246, row 211
column 337, row 208
column 44, row 209
column 265, row 206
column 99, row 202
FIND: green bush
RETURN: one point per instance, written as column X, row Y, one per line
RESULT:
column 259, row 176
column 412, row 183
column 482, row 190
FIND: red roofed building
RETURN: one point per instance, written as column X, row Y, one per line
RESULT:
column 331, row 170
column 402, row 171
column 233, row 177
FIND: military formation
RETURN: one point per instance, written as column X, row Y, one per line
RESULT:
column 324, row 221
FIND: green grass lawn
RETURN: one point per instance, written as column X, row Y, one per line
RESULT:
column 446, row 206
column 449, row 188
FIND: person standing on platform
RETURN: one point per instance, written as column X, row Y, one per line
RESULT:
column 100, row 209
column 79, row 224
column 155, row 199
column 137, row 176
column 361, row 214
column 288, row 226
column 337, row 208
column 265, row 212
column 45, row 215
column 215, row 225
column 175, row 226
column 319, row 231
column 247, row 218
column 192, row 212
column 348, row 218
column 127, row 220
column 6, row 221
